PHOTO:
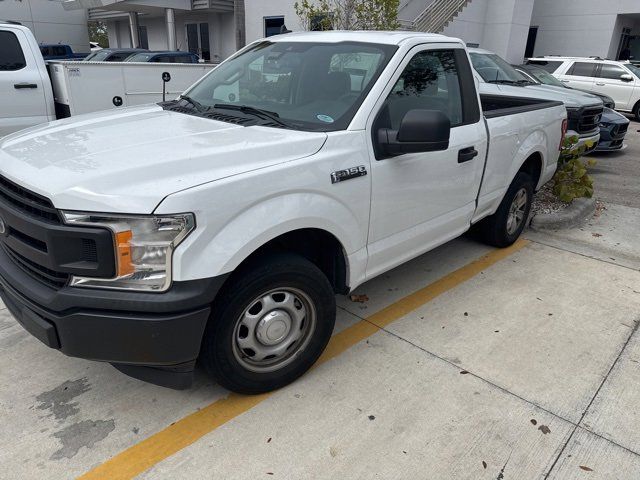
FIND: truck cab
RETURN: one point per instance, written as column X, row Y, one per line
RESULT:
column 25, row 89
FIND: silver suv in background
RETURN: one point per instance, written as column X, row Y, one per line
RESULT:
column 620, row 80
column 584, row 110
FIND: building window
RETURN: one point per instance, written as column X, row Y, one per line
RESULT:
column 198, row 40
column 143, row 38
column 273, row 25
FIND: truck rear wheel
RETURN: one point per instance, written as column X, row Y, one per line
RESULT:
column 505, row 226
column 270, row 325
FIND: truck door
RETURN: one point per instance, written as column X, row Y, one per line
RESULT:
column 21, row 87
column 420, row 200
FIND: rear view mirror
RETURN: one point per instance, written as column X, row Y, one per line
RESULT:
column 420, row 131
column 625, row 77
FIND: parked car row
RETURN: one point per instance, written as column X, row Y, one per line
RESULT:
column 619, row 80
column 65, row 52
column 613, row 125
column 140, row 55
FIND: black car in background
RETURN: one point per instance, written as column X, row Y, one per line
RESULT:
column 164, row 57
column 613, row 125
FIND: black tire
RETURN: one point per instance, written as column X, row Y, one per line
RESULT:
column 220, row 348
column 494, row 229
column 636, row 112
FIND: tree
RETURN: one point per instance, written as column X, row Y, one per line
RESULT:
column 98, row 33
column 348, row 14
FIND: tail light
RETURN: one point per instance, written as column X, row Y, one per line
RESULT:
column 564, row 133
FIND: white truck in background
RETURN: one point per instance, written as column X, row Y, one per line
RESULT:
column 219, row 226
column 32, row 95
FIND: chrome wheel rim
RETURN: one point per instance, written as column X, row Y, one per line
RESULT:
column 274, row 329
column 516, row 211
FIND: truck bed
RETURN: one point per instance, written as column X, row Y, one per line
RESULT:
column 500, row 105
column 85, row 87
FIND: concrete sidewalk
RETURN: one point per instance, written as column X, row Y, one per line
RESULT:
column 526, row 367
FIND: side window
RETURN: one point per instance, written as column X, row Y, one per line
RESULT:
column 59, row 51
column 582, row 69
column 11, row 56
column 611, row 71
column 429, row 81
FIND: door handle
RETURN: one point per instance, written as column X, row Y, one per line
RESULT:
column 19, row 86
column 600, row 84
column 564, row 81
column 467, row 154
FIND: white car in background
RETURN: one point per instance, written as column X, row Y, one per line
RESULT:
column 619, row 80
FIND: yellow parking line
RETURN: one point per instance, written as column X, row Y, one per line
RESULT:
column 147, row 453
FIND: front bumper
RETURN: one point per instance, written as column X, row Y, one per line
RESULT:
column 152, row 336
column 589, row 140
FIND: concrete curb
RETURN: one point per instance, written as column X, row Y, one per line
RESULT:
column 572, row 216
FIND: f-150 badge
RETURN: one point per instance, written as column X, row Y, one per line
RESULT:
column 348, row 174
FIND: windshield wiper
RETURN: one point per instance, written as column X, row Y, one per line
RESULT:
column 258, row 112
column 506, row 82
column 197, row 105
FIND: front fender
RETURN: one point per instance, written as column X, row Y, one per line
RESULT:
column 214, row 250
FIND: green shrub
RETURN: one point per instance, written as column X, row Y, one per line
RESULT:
column 572, row 179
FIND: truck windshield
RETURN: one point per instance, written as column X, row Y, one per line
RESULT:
column 306, row 85
column 494, row 69
column 544, row 77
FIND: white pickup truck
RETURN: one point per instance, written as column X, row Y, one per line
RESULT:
column 220, row 226
column 34, row 91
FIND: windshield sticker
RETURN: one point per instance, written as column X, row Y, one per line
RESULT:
column 325, row 118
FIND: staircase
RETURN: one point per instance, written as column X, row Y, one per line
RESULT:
column 436, row 16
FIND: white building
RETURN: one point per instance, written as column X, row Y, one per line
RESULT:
column 522, row 28
column 206, row 27
column 49, row 21
column 512, row 28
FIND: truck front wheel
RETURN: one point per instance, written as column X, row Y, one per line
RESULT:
column 270, row 325
column 505, row 226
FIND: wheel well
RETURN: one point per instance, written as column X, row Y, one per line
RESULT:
column 318, row 246
column 533, row 167
column 636, row 108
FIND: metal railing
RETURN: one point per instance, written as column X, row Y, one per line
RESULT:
column 436, row 16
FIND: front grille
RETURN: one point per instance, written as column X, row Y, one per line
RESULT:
column 28, row 202
column 89, row 250
column 37, row 241
column 49, row 277
column 589, row 119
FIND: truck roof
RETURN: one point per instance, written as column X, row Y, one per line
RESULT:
column 368, row 36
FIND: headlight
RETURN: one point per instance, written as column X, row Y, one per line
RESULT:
column 143, row 246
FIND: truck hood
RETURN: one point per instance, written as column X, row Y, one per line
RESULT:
column 127, row 161
column 571, row 98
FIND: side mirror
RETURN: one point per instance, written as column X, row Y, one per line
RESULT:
column 420, row 131
column 625, row 77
